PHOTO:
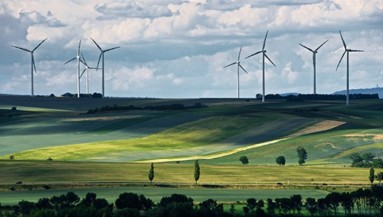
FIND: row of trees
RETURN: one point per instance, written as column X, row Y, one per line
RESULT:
column 362, row 202
column 165, row 107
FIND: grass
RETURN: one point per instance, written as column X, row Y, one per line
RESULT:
column 90, row 151
column 199, row 133
column 224, row 126
column 57, row 172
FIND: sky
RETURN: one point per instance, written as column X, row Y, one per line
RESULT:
column 178, row 49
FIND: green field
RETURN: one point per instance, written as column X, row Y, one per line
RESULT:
column 117, row 146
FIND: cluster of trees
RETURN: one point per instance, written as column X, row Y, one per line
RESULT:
column 281, row 160
column 362, row 202
column 82, row 95
column 175, row 106
column 366, row 160
column 302, row 97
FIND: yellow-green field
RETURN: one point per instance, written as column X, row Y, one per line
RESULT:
column 244, row 176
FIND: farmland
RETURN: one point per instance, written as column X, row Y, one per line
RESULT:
column 115, row 147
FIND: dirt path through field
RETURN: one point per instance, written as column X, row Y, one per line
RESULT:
column 319, row 127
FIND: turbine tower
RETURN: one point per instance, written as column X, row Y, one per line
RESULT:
column 346, row 50
column 33, row 65
column 314, row 61
column 238, row 63
column 102, row 57
column 86, row 69
column 264, row 55
column 78, row 58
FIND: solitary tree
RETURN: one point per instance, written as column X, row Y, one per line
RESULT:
column 302, row 155
column 197, row 171
column 372, row 175
column 244, row 160
column 281, row 160
column 379, row 177
column 151, row 173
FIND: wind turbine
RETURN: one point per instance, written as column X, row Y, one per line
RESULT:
column 263, row 51
column 314, row 61
column 33, row 65
column 78, row 58
column 102, row 57
column 86, row 69
column 238, row 63
column 346, row 50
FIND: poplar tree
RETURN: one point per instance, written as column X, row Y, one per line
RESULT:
column 372, row 175
column 151, row 173
column 197, row 171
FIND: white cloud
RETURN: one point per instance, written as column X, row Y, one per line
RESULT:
column 288, row 74
column 183, row 45
column 127, row 79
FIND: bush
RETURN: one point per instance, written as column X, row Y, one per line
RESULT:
column 244, row 160
column 281, row 160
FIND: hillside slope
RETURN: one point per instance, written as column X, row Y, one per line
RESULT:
column 39, row 130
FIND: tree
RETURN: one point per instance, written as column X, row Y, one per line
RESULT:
column 302, row 155
column 368, row 158
column 379, row 177
column 197, row 171
column 357, row 160
column 244, row 160
column 128, row 200
column 151, row 173
column 372, row 175
column 281, row 160
column 311, row 206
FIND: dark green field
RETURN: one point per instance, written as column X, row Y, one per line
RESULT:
column 117, row 146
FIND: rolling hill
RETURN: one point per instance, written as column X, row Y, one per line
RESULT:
column 60, row 129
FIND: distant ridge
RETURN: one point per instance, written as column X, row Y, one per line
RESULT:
column 375, row 90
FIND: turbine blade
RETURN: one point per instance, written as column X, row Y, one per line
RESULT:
column 306, row 47
column 82, row 62
column 83, row 72
column 99, row 58
column 78, row 49
column 239, row 64
column 24, row 49
column 33, row 63
column 253, row 54
column 83, row 59
column 356, row 50
column 70, row 60
column 344, row 43
column 96, row 44
column 39, row 44
column 340, row 60
column 239, row 54
column 270, row 60
column 321, row 45
column 224, row 66
column 111, row 49
column 264, row 41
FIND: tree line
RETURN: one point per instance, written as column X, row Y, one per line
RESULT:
column 362, row 202
column 175, row 106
